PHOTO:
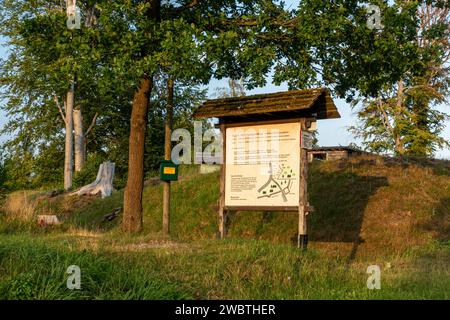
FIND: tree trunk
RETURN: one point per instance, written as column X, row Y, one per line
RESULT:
column 132, row 211
column 399, row 148
column 68, row 160
column 80, row 151
column 168, row 156
column 422, row 143
column 132, row 216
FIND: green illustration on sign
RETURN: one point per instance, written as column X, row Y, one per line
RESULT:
column 279, row 183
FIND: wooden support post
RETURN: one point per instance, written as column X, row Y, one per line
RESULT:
column 222, row 223
column 168, row 156
column 303, row 195
column 222, row 212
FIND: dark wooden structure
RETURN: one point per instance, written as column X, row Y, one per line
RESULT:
column 316, row 103
column 333, row 153
column 299, row 106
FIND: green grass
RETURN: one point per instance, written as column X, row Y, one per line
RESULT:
column 234, row 269
column 34, row 269
column 388, row 214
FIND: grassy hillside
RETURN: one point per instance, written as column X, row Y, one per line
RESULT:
column 392, row 213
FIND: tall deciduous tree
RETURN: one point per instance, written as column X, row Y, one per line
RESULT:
column 403, row 118
column 44, row 59
column 160, row 36
column 44, row 56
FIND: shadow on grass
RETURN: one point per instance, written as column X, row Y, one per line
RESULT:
column 439, row 167
column 439, row 223
column 94, row 217
column 340, row 199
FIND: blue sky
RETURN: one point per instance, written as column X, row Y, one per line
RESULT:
column 331, row 132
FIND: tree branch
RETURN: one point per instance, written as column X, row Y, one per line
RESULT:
column 192, row 4
column 385, row 117
column 250, row 22
column 61, row 112
column 237, row 22
column 173, row 12
column 94, row 120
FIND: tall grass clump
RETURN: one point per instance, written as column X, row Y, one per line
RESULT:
column 18, row 212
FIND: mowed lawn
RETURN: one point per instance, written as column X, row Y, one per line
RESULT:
column 369, row 211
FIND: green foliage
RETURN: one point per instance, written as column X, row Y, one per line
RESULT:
column 321, row 43
column 48, row 164
column 26, row 167
column 44, row 58
column 403, row 118
column 339, row 50
column 103, row 58
column 18, row 172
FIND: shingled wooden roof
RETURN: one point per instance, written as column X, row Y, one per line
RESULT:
column 304, row 103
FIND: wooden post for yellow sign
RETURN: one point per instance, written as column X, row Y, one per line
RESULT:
column 167, row 156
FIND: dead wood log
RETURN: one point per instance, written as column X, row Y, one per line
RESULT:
column 48, row 220
column 114, row 214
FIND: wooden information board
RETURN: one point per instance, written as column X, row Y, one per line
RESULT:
column 262, row 166
column 265, row 140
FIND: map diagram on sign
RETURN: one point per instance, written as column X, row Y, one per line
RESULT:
column 279, row 182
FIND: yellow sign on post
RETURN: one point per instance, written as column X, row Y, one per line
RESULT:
column 169, row 170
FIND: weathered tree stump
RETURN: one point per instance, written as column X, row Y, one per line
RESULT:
column 103, row 184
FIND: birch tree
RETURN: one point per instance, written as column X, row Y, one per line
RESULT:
column 47, row 66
